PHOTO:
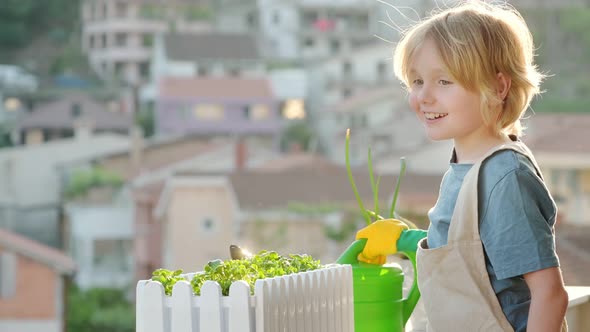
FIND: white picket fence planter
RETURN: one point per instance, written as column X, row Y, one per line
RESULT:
column 314, row 301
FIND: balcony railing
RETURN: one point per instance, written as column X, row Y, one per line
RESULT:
column 578, row 310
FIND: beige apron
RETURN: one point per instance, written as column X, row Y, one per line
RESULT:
column 453, row 280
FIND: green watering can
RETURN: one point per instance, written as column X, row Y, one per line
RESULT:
column 379, row 305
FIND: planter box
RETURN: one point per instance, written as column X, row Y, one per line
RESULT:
column 320, row 300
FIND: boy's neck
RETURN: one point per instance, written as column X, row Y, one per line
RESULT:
column 469, row 151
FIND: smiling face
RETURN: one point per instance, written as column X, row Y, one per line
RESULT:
column 446, row 108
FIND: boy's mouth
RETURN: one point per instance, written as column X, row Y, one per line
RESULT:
column 433, row 116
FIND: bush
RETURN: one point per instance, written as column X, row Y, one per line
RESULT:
column 82, row 181
column 99, row 310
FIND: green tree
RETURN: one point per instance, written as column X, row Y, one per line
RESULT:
column 15, row 16
column 22, row 20
column 99, row 310
column 145, row 119
column 298, row 133
column 5, row 140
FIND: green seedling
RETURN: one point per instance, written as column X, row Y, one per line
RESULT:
column 369, row 215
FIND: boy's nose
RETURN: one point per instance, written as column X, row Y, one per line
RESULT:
column 425, row 95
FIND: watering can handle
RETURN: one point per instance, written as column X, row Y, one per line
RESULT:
column 406, row 244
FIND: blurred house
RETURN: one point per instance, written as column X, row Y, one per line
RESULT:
column 360, row 70
column 12, row 108
column 118, row 36
column 72, row 115
column 100, row 238
column 430, row 157
column 560, row 144
column 206, row 54
column 224, row 55
column 349, row 83
column 378, row 119
column 32, row 179
column 236, row 16
column 220, row 157
column 210, row 54
column 102, row 224
column 301, row 205
column 217, row 107
column 32, row 285
column 310, row 29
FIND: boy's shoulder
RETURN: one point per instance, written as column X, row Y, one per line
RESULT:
column 503, row 162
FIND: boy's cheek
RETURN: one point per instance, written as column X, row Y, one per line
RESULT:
column 413, row 101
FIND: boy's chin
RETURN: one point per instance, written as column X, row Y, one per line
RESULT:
column 437, row 137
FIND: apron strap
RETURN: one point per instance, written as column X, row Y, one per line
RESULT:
column 465, row 220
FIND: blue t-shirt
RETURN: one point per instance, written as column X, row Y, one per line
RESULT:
column 516, row 217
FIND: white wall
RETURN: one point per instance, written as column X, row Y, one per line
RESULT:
column 180, row 69
column 91, row 223
column 281, row 35
column 30, row 326
column 289, row 83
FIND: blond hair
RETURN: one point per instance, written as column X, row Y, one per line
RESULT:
column 476, row 41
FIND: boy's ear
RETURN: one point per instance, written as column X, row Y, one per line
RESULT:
column 503, row 83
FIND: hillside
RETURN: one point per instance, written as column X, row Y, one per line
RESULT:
column 41, row 36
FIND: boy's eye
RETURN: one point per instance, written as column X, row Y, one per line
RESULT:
column 445, row 82
column 417, row 81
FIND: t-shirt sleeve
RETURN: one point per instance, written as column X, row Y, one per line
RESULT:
column 517, row 225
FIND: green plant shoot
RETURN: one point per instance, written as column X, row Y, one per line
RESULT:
column 369, row 215
column 402, row 171
column 351, row 179
column 374, row 186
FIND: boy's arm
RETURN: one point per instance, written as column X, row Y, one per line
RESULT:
column 549, row 300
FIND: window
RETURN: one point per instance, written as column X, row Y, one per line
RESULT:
column 202, row 71
column 119, row 69
column 8, row 265
column 335, row 46
column 260, row 112
column 147, row 40
column 112, row 254
column 346, row 92
column 12, row 104
column 310, row 17
column 144, row 69
column 234, row 72
column 91, row 13
column 251, row 20
column 184, row 112
column 121, row 39
column 33, row 136
column 573, row 181
column 308, row 42
column 346, row 68
column 208, row 226
column 293, row 109
column 381, row 70
column 75, row 110
column 208, row 112
column 121, row 9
